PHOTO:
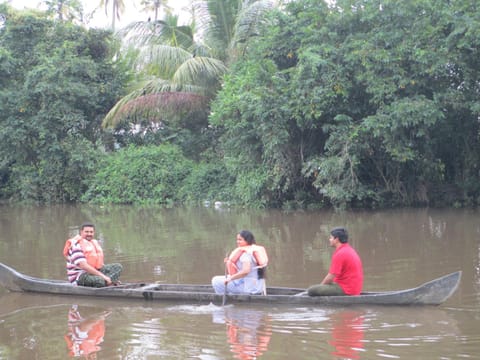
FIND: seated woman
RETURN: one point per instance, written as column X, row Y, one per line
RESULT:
column 245, row 268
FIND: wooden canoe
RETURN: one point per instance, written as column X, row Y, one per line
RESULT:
column 433, row 292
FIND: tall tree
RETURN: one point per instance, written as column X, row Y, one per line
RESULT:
column 155, row 5
column 57, row 82
column 363, row 103
column 118, row 7
column 176, row 72
column 169, row 76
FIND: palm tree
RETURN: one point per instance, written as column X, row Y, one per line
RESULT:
column 227, row 25
column 173, row 71
column 118, row 7
column 155, row 5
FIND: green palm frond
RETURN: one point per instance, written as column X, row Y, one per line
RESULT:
column 249, row 19
column 174, row 63
column 162, row 60
column 166, row 31
column 230, row 23
column 200, row 70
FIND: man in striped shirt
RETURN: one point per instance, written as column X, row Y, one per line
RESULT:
column 84, row 257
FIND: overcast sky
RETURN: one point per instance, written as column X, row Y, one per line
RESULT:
column 131, row 13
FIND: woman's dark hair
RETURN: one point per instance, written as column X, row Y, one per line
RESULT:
column 250, row 239
column 248, row 236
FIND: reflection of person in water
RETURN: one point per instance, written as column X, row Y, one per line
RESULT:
column 347, row 334
column 85, row 334
column 249, row 331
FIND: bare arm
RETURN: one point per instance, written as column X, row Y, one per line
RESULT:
column 328, row 279
column 246, row 267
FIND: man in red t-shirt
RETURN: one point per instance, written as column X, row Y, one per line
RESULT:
column 345, row 276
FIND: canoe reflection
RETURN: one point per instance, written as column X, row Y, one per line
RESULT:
column 347, row 334
column 248, row 331
column 85, row 335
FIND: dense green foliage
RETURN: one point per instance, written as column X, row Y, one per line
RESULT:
column 357, row 104
column 206, row 183
column 157, row 175
column 140, row 175
column 176, row 75
column 367, row 103
column 57, row 82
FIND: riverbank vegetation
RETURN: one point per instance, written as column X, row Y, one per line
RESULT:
column 295, row 104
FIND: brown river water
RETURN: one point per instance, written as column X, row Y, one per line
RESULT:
column 399, row 249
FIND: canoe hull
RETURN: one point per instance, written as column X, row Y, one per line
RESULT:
column 434, row 292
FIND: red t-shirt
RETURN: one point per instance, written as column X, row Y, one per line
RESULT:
column 347, row 268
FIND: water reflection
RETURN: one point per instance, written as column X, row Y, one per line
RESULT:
column 347, row 334
column 477, row 273
column 248, row 331
column 85, row 334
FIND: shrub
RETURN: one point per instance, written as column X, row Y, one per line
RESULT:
column 143, row 175
column 207, row 182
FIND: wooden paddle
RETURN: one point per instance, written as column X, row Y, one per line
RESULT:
column 224, row 300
